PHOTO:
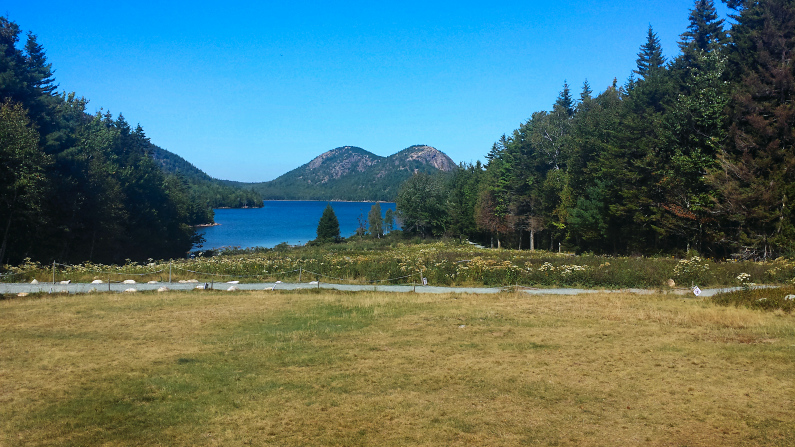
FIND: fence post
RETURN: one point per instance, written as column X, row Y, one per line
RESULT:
column 169, row 271
column 53, row 272
column 300, row 271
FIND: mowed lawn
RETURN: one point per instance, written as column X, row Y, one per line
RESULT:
column 333, row 368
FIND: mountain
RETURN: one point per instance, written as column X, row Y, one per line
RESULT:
column 352, row 173
column 203, row 188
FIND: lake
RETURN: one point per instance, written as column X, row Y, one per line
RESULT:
column 293, row 222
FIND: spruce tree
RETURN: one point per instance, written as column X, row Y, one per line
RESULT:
column 756, row 178
column 705, row 32
column 328, row 228
column 650, row 58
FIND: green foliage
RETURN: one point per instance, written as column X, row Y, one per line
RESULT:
column 76, row 187
column 389, row 220
column 328, row 228
column 696, row 154
column 203, row 189
column 22, row 179
column 421, row 205
column 376, row 221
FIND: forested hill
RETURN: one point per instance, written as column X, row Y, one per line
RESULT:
column 352, row 173
column 203, row 188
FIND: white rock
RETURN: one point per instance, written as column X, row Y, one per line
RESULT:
column 34, row 282
column 192, row 280
column 789, row 297
column 130, row 291
column 231, row 289
column 66, row 282
column 96, row 281
column 163, row 289
column 278, row 282
column 233, row 282
column 128, row 281
column 268, row 288
column 152, row 282
column 312, row 282
column 199, row 287
column 462, row 326
column 22, row 294
column 182, row 281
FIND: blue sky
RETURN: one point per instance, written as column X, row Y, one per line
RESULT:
column 250, row 90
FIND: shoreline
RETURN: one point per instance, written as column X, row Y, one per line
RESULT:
column 214, row 224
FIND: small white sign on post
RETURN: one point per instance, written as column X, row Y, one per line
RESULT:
column 424, row 281
column 696, row 291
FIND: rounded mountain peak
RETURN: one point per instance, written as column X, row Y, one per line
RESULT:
column 428, row 155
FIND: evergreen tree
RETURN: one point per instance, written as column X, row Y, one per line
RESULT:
column 22, row 179
column 565, row 101
column 587, row 92
column 756, row 178
column 650, row 58
column 704, row 32
column 328, row 228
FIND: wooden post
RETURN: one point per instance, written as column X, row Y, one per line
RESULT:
column 53, row 272
column 169, row 271
column 300, row 271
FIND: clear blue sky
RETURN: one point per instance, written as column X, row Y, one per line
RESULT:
column 250, row 90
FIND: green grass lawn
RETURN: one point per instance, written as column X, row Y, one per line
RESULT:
column 333, row 368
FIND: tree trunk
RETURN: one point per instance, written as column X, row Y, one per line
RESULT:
column 532, row 239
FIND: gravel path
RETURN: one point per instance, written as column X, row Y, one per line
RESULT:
column 16, row 288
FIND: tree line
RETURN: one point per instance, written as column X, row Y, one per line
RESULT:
column 79, row 187
column 692, row 153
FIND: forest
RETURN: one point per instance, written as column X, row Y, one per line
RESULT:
column 79, row 187
column 695, row 153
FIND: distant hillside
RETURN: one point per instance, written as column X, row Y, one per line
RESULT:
column 352, row 173
column 203, row 188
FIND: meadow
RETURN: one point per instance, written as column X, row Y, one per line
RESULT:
column 350, row 369
column 442, row 263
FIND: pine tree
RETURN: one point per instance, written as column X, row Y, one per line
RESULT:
column 756, row 178
column 705, row 32
column 22, row 178
column 650, row 58
column 587, row 92
column 328, row 228
column 565, row 101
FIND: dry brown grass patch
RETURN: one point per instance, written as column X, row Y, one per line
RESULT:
column 332, row 368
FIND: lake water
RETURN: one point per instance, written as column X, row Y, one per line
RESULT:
column 293, row 222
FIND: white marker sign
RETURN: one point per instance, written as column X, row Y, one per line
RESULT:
column 696, row 291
